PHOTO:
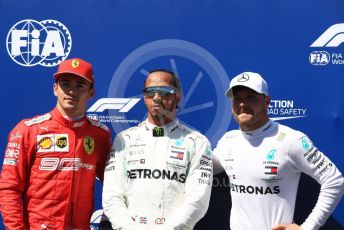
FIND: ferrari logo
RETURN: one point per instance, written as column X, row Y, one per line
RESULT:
column 89, row 145
column 75, row 63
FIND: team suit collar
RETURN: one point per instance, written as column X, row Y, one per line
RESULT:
column 167, row 129
column 259, row 131
column 68, row 122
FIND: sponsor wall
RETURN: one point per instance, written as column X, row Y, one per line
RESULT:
column 297, row 46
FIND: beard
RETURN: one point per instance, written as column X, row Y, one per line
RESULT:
column 163, row 116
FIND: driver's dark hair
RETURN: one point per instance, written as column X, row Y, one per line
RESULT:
column 174, row 82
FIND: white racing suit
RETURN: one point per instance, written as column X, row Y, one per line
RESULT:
column 264, row 168
column 158, row 182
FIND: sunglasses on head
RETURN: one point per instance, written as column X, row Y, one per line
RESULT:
column 160, row 90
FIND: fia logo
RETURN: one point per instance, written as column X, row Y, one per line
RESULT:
column 319, row 58
column 45, row 43
column 93, row 117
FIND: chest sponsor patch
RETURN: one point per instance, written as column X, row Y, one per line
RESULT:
column 177, row 154
column 52, row 143
column 271, row 170
column 178, row 150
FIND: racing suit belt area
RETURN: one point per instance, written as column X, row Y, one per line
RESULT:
column 51, row 164
column 161, row 176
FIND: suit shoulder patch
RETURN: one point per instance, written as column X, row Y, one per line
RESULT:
column 38, row 119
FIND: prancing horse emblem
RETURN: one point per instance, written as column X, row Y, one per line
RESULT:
column 89, row 145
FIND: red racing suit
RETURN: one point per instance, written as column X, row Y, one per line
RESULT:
column 48, row 174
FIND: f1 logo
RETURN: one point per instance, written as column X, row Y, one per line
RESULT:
column 332, row 37
column 121, row 104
